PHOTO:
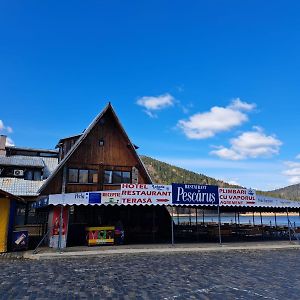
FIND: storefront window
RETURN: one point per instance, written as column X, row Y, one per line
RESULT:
column 20, row 214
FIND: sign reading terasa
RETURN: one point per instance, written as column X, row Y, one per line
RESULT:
column 145, row 194
column 191, row 194
column 237, row 197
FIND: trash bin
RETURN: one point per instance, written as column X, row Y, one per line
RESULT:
column 19, row 240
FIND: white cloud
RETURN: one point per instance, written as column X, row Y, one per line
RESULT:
column 152, row 103
column 9, row 142
column 6, row 129
column 250, row 144
column 237, row 104
column 298, row 156
column 218, row 119
column 292, row 172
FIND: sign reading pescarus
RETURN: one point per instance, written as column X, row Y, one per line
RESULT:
column 193, row 194
column 237, row 197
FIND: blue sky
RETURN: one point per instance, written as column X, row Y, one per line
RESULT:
column 212, row 86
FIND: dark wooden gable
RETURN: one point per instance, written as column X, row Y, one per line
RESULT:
column 103, row 146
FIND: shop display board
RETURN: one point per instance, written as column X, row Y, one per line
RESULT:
column 100, row 235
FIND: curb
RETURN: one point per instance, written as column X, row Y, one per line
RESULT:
column 12, row 255
column 94, row 253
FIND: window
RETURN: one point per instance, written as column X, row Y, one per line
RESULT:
column 108, row 176
column 93, row 176
column 83, row 176
column 28, row 175
column 126, row 177
column 32, row 175
column 116, row 177
column 37, row 175
column 73, row 175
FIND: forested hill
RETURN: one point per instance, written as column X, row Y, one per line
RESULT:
column 289, row 192
column 164, row 173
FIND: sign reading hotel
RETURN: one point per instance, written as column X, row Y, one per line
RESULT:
column 145, row 194
column 193, row 194
column 237, row 197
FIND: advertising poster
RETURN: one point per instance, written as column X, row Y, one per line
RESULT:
column 110, row 197
column 146, row 194
column 237, row 197
column 20, row 240
column 100, row 235
column 193, row 194
column 55, row 227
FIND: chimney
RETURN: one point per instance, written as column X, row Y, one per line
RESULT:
column 2, row 144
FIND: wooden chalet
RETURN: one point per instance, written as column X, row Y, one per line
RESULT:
column 101, row 158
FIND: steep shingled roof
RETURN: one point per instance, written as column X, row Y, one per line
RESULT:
column 84, row 135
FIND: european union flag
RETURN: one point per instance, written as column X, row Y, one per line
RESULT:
column 94, row 198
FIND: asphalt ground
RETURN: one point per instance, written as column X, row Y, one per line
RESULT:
column 237, row 274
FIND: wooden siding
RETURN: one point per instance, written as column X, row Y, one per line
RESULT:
column 116, row 154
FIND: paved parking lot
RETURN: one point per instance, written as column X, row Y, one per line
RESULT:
column 268, row 274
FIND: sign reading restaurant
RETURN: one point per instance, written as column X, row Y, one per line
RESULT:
column 191, row 194
column 145, row 194
column 237, row 197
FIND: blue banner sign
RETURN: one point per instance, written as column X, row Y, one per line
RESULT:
column 194, row 194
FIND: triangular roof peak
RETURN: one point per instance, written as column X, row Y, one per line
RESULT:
column 84, row 135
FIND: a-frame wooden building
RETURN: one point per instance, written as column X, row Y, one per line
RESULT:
column 101, row 158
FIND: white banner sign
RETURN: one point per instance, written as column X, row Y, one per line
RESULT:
column 85, row 198
column 266, row 201
column 146, row 194
column 237, row 197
